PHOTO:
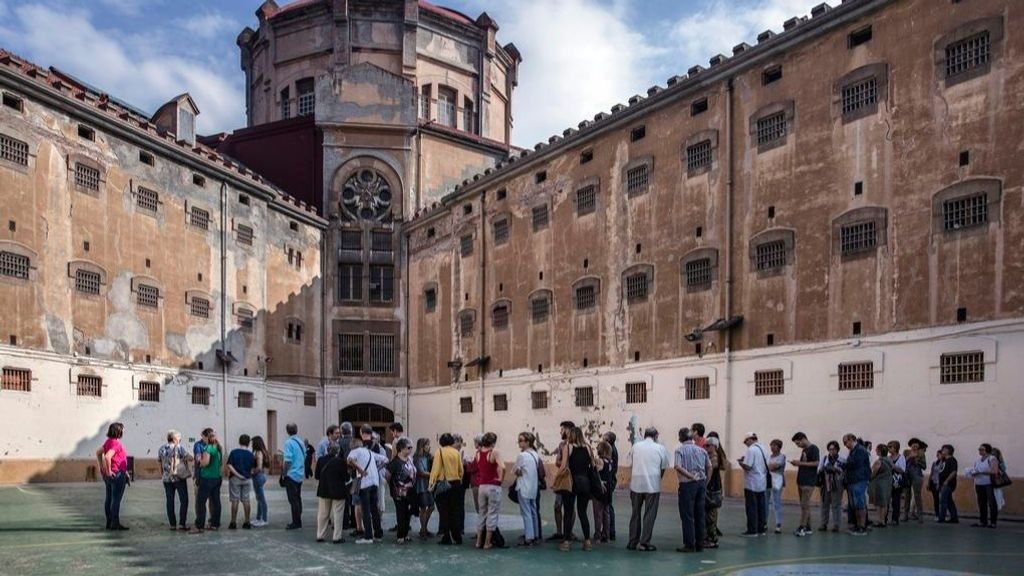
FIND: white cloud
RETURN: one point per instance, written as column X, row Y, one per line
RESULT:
column 125, row 67
column 209, row 25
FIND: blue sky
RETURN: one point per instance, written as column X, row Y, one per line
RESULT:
column 579, row 56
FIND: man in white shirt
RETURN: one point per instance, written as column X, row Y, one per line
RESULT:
column 366, row 465
column 650, row 460
column 755, row 483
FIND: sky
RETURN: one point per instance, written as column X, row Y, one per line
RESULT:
column 580, row 57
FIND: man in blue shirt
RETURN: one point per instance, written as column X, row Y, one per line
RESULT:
column 294, row 473
column 858, row 474
column 197, row 450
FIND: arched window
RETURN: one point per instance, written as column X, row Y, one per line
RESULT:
column 446, row 107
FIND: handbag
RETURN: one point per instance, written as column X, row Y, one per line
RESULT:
column 767, row 472
column 180, row 467
column 713, row 498
column 513, row 491
column 442, row 485
column 563, row 481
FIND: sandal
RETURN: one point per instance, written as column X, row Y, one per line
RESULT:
column 564, row 546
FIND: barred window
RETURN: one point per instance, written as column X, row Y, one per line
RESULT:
column 87, row 281
column 965, row 212
column 350, row 282
column 540, row 217
column 246, row 319
column 769, row 383
column 585, row 396
column 770, row 255
column 14, row 265
column 307, row 97
column 466, row 325
column 87, row 177
column 382, row 353
column 501, row 231
column 540, row 308
column 698, row 156
column 968, row 54
column 539, row 399
column 309, row 398
column 147, row 199
column 13, row 150
column 698, row 273
column 199, row 218
column 351, row 240
column 147, row 296
column 430, row 299
column 199, row 307
column 636, row 287
column 246, row 399
column 636, row 392
column 293, row 332
column 501, row 402
column 586, row 298
column 382, row 283
column 586, row 200
column 698, row 388
column 962, row 367
column 17, row 380
column 771, row 128
column 500, row 316
column 90, row 386
column 245, row 235
column 636, row 179
column 860, row 95
column 856, row 376
column 857, row 238
column 466, row 404
column 149, row 391
column 200, row 395
column 380, row 241
column 350, row 348
column 466, row 245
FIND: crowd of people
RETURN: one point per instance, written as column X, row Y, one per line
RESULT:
column 354, row 469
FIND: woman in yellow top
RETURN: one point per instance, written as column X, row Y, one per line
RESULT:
column 445, row 481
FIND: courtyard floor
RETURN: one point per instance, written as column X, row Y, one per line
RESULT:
column 56, row 530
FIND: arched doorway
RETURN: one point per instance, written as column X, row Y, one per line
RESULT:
column 377, row 416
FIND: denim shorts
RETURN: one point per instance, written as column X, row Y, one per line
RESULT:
column 859, row 495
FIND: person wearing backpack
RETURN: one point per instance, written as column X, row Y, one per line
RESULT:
column 527, row 487
column 756, row 482
column 175, row 471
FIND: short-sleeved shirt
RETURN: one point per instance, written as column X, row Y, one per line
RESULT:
column 366, row 463
column 242, row 461
column 166, row 455
column 212, row 470
column 693, row 459
column 295, row 456
column 527, row 481
column 779, row 474
column 756, row 478
column 949, row 468
column 649, row 460
column 858, row 465
column 808, row 475
column 119, row 460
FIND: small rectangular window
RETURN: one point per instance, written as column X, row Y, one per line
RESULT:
column 13, row 102
column 539, row 399
column 540, row 177
column 87, row 282
column 466, row 325
column 380, row 241
column 698, row 273
column 698, row 157
column 246, row 319
column 860, row 95
column 243, row 199
column 501, row 231
column 90, row 386
column 146, row 158
column 501, row 402
column 769, row 383
column 13, row 150
column 309, row 398
column 467, row 209
column 199, row 180
column 771, row 128
column 501, row 194
column 586, row 156
column 637, row 133
column 500, row 317
column 636, row 288
column 86, row 133
column 245, row 235
column 382, row 283
column 636, row 180
column 351, row 240
column 540, row 217
column 246, row 399
column 968, row 54
column 149, row 391
column 856, row 376
column 430, row 299
column 199, row 218
column 14, row 265
column 147, row 296
column 200, row 396
column 698, row 388
column 965, row 212
column 539, row 309
column 199, row 307
column 350, row 349
column 773, row 74
column 586, row 297
column 584, row 396
column 962, row 367
column 699, row 107
column 636, row 392
column 586, row 200
column 17, row 380
column 466, row 245
column 857, row 238
column 146, row 199
column 466, row 404
column 858, row 37
column 87, row 177
column 770, row 255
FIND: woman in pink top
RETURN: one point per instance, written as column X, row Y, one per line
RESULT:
column 114, row 467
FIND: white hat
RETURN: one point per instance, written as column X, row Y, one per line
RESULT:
column 750, row 435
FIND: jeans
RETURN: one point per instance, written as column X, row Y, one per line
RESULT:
column 776, row 503
column 831, row 508
column 259, row 480
column 209, row 494
column 581, row 502
column 294, row 491
column 405, row 509
column 539, row 533
column 609, row 511
column 987, row 508
column 757, row 511
column 181, row 488
column 369, row 504
column 692, row 500
column 530, row 513
column 913, row 492
column 642, row 517
column 947, row 506
column 115, row 486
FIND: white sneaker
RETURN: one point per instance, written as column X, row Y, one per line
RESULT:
column 364, row 541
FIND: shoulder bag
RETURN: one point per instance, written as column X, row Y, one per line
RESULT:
column 180, row 468
column 563, row 479
column 442, row 485
column 357, row 481
column 767, row 472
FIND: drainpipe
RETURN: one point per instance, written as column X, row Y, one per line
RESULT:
column 729, row 392
column 482, row 367
column 224, row 303
column 323, row 318
column 407, row 297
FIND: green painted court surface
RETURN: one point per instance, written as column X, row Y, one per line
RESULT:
column 56, row 530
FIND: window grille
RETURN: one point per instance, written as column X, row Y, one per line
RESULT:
column 430, row 299
column 770, row 255
column 585, row 397
column 857, row 376
column 698, row 273
column 860, row 95
column 382, row 353
column 540, row 308
column 350, row 282
column 501, row 402
column 771, row 128
column 87, row 282
column 149, row 391
column 307, row 97
column 147, row 199
column 466, row 245
column 147, row 296
column 246, row 319
column 501, row 231
column 968, row 54
column 246, row 399
column 245, row 235
column 698, row 388
column 200, row 307
column 87, row 177
column 14, row 265
column 965, row 212
column 962, row 367
column 698, row 156
column 539, row 399
column 769, row 383
column 466, row 404
column 501, row 317
column 90, row 386
column 382, row 283
column 636, row 287
column 286, row 104
column 380, row 241
column 466, row 325
column 13, row 150
column 857, row 238
column 636, row 179
column 351, row 351
column 586, row 200
column 636, row 392
column 540, row 217
column 200, row 395
column 199, row 218
column 425, row 105
column 586, row 297
column 309, row 398
column 351, row 240
column 17, row 380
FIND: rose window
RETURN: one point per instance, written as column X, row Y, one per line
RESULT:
column 366, row 196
